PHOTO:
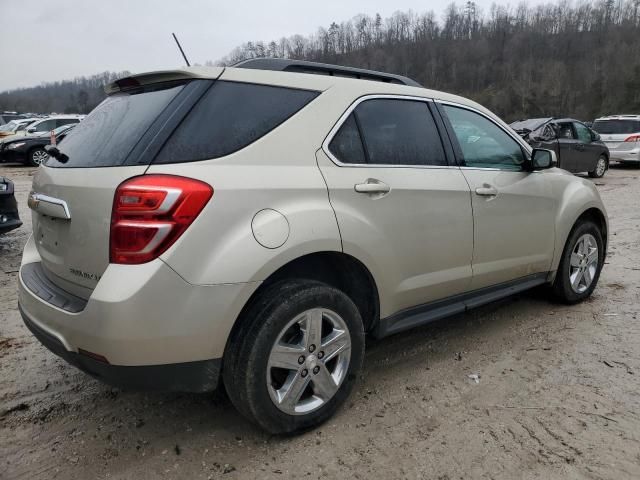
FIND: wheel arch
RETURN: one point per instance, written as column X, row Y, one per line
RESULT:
column 594, row 213
column 337, row 269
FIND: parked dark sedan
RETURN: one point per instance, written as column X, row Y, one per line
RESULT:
column 577, row 147
column 30, row 148
column 9, row 218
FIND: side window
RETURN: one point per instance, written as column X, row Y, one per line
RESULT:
column 230, row 116
column 65, row 121
column 399, row 132
column 46, row 126
column 584, row 135
column 482, row 142
column 346, row 145
column 565, row 131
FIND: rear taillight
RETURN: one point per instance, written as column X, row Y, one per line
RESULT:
column 633, row 138
column 150, row 213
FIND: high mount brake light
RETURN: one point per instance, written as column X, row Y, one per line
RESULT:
column 633, row 138
column 150, row 213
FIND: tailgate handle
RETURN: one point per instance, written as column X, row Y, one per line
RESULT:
column 46, row 205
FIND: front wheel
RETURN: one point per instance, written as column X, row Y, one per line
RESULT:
column 37, row 156
column 600, row 168
column 581, row 263
column 296, row 356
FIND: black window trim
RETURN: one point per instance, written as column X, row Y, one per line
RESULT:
column 525, row 147
column 343, row 118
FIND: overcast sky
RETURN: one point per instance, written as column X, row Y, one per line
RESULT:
column 47, row 40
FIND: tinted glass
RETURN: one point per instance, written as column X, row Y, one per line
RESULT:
column 45, row 126
column 400, row 132
column 107, row 135
column 584, row 134
column 613, row 127
column 65, row 121
column 229, row 117
column 483, row 143
column 347, row 144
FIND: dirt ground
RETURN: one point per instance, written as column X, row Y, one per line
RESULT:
column 558, row 394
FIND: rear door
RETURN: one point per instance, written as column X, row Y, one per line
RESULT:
column 401, row 207
column 590, row 153
column 513, row 210
column 72, row 196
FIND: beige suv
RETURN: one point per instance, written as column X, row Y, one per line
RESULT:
column 255, row 223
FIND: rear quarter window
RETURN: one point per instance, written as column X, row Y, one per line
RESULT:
column 229, row 117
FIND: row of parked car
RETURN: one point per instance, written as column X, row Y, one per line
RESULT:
column 582, row 147
column 24, row 139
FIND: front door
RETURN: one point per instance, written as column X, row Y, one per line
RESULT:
column 401, row 208
column 513, row 210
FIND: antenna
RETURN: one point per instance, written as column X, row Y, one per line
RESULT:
column 181, row 51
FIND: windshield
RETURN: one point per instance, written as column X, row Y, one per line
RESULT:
column 9, row 127
column 616, row 126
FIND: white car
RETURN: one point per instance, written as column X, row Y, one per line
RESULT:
column 621, row 134
column 51, row 123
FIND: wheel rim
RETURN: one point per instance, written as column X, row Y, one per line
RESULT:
column 309, row 361
column 584, row 263
column 39, row 156
column 601, row 167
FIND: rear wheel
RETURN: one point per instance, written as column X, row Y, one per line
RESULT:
column 581, row 263
column 36, row 156
column 296, row 356
column 601, row 168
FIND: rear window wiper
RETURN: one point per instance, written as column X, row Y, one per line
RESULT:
column 53, row 151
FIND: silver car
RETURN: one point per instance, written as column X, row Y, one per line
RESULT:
column 253, row 224
column 621, row 133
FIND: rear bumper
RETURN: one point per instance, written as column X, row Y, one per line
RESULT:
column 154, row 330
column 631, row 155
column 201, row 376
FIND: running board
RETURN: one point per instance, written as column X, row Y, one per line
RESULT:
column 437, row 310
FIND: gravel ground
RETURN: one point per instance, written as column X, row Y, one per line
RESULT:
column 557, row 397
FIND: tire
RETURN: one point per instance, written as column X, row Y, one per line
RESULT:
column 601, row 168
column 36, row 156
column 258, row 386
column 567, row 287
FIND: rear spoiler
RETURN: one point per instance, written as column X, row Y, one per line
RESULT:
column 188, row 73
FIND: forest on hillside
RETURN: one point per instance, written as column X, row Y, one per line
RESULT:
column 80, row 95
column 580, row 60
column 576, row 59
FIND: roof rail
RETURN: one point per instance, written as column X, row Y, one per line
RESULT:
column 301, row 66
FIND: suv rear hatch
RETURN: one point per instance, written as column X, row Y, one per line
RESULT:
column 615, row 132
column 73, row 194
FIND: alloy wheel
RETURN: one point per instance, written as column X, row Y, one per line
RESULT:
column 39, row 156
column 584, row 263
column 309, row 361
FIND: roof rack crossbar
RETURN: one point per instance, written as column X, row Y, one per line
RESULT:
column 301, row 66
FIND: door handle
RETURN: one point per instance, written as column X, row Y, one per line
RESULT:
column 372, row 186
column 487, row 191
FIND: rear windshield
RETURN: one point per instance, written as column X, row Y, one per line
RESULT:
column 616, row 126
column 108, row 134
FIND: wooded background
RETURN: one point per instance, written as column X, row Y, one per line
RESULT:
column 580, row 60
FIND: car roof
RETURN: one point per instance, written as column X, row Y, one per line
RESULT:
column 620, row 117
column 291, row 79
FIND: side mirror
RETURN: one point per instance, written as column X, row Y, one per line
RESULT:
column 595, row 136
column 542, row 159
column 31, row 130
